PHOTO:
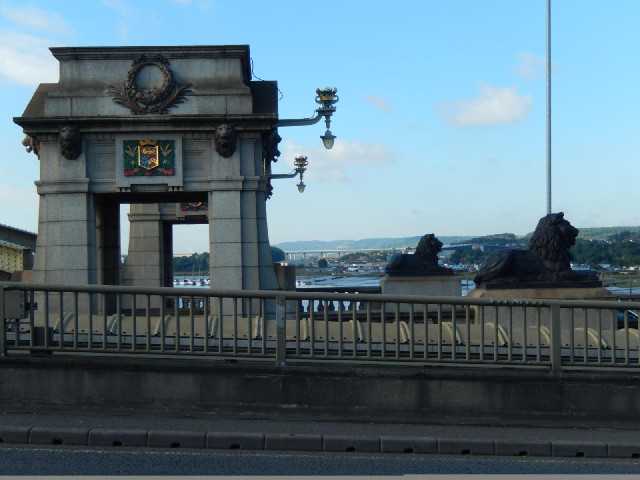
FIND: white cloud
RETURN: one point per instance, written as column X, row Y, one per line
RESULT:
column 26, row 60
column 127, row 14
column 530, row 66
column 35, row 19
column 379, row 102
column 492, row 106
column 330, row 165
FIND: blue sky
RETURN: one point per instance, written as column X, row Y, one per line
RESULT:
column 441, row 122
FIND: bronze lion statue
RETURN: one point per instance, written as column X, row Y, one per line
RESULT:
column 422, row 263
column 548, row 258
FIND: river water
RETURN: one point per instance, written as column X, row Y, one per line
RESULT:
column 362, row 281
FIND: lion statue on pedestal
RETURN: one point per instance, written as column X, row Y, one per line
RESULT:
column 422, row 263
column 548, row 258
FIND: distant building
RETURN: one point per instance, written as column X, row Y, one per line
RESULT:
column 17, row 248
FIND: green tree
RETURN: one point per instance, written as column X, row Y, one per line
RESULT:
column 277, row 255
column 323, row 263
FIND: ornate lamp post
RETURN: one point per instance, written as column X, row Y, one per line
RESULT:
column 326, row 98
column 301, row 166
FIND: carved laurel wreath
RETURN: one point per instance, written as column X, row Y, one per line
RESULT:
column 159, row 100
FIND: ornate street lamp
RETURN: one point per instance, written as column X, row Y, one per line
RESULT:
column 326, row 98
column 301, row 166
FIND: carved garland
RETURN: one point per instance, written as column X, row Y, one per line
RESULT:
column 159, row 100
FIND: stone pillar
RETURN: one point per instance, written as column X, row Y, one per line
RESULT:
column 145, row 266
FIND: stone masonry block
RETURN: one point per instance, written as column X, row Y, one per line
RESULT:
column 346, row 443
column 235, row 440
column 568, row 448
column 624, row 450
column 226, row 230
column 300, row 442
column 117, row 438
column 523, row 448
column 408, row 445
column 59, row 436
column 176, row 439
column 14, row 435
column 465, row 446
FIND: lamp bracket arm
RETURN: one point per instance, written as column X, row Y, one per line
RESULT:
column 301, row 122
column 275, row 176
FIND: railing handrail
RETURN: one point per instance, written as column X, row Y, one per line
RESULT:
column 293, row 295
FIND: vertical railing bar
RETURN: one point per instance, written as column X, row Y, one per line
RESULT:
column 134, row 321
column 119, row 320
column 383, row 328
column 440, row 338
column 148, row 317
column 90, row 327
column 340, row 329
column 454, row 331
column 76, row 323
column 312, row 327
column 192, row 321
column 32, row 316
column 626, row 333
column 524, row 333
column 411, row 330
column 220, row 324
column 467, row 318
column 47, row 323
column 369, row 329
column 234, row 343
column 61, row 321
column 249, row 326
column 426, row 331
column 326, row 326
column 556, row 344
column 354, row 319
column 495, row 332
column 281, row 326
column 614, row 327
column 103, row 302
column 585, row 352
column 481, row 350
column 510, row 336
column 163, row 333
column 599, row 339
column 397, row 322
column 539, row 333
column 263, row 334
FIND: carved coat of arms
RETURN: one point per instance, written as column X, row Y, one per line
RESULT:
column 149, row 158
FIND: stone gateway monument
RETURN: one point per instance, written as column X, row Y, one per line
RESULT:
column 154, row 127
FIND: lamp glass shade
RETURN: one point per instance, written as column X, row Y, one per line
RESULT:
column 328, row 139
column 301, row 187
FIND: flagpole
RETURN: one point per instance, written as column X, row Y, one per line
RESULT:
column 548, row 106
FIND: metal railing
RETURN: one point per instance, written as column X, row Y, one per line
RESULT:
column 310, row 326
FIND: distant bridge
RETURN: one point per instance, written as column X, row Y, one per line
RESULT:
column 328, row 252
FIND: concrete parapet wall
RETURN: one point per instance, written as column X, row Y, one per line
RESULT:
column 416, row 394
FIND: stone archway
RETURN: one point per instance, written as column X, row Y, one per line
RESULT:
column 151, row 125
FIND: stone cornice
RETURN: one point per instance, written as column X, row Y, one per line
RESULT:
column 176, row 123
column 127, row 53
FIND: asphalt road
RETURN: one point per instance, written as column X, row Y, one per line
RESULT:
column 30, row 460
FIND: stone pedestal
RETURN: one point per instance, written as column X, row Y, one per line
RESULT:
column 434, row 286
column 521, row 318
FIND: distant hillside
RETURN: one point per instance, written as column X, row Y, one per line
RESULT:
column 366, row 243
column 603, row 233
column 596, row 233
